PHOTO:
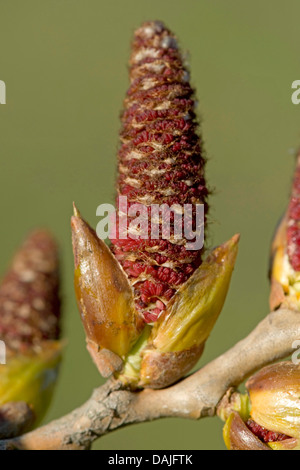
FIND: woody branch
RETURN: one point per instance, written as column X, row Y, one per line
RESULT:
column 112, row 407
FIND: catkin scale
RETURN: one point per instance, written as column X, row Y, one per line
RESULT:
column 160, row 162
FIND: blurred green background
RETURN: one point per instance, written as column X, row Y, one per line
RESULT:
column 64, row 64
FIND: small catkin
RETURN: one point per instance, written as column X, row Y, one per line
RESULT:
column 29, row 295
column 293, row 229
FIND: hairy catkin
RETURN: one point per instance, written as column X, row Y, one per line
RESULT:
column 160, row 162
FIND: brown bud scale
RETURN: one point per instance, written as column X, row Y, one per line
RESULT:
column 160, row 162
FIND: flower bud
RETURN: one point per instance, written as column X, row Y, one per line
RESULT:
column 285, row 253
column 149, row 304
column 29, row 328
column 274, row 416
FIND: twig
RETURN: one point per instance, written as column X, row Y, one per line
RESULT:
column 111, row 407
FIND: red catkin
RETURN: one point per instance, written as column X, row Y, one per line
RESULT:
column 160, row 162
column 293, row 229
